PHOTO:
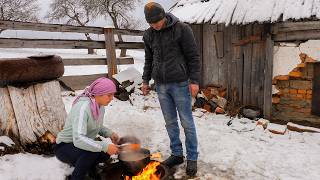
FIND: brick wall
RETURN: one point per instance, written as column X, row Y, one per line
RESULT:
column 293, row 101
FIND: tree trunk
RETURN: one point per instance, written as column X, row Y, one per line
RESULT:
column 90, row 51
column 28, row 113
column 123, row 52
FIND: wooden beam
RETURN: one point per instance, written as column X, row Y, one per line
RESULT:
column 248, row 40
column 50, row 43
column 295, row 26
column 268, row 74
column 15, row 25
column 129, row 32
column 80, row 82
column 64, row 44
column 110, row 47
column 129, row 45
column 297, row 36
column 95, row 61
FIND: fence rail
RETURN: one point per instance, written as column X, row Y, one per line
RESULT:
column 15, row 25
column 64, row 44
column 76, row 82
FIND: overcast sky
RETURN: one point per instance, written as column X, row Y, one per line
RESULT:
column 44, row 5
column 44, row 8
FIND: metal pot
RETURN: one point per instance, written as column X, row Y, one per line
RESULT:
column 134, row 161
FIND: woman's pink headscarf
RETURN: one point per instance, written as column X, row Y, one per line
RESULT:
column 99, row 87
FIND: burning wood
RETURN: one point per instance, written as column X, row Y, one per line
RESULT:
column 148, row 173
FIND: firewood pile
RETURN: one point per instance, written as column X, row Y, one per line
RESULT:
column 212, row 99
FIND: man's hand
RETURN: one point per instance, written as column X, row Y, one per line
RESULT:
column 194, row 89
column 145, row 89
column 112, row 149
column 114, row 138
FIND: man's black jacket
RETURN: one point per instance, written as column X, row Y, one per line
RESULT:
column 171, row 54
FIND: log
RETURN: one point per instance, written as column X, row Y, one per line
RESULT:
column 8, row 125
column 50, row 106
column 29, row 113
column 25, row 108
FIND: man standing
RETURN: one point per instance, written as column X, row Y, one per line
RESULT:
column 172, row 60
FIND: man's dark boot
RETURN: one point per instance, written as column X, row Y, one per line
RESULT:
column 173, row 161
column 191, row 168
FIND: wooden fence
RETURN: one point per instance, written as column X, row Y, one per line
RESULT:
column 76, row 82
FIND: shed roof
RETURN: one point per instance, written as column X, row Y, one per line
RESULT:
column 245, row 11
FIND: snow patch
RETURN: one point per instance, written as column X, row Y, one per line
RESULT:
column 6, row 140
column 30, row 166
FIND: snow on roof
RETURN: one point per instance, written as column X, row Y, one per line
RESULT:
column 244, row 11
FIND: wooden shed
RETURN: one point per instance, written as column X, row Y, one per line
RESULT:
column 236, row 40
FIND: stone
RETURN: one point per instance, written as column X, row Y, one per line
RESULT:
column 220, row 101
column 277, row 128
column 275, row 100
column 282, row 77
column 295, row 74
column 219, row 110
column 283, row 84
column 300, row 84
column 263, row 122
column 303, row 57
column 302, row 91
column 301, row 65
column 293, row 91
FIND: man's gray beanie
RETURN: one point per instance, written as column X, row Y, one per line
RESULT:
column 154, row 12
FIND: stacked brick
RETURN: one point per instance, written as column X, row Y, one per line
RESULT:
column 293, row 101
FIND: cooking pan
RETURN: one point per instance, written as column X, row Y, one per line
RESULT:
column 132, row 157
column 134, row 161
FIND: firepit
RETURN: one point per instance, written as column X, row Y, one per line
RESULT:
column 116, row 171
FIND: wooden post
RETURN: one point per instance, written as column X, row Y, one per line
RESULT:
column 110, row 51
column 268, row 74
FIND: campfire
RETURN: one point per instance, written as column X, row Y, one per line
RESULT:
column 154, row 170
column 150, row 172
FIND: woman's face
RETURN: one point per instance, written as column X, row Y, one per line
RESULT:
column 104, row 100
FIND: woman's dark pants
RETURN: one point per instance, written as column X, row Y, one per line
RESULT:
column 83, row 161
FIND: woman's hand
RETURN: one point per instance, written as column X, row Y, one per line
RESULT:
column 114, row 138
column 112, row 149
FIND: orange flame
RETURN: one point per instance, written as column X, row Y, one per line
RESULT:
column 148, row 173
column 156, row 156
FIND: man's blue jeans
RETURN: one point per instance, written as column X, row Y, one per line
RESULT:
column 175, row 97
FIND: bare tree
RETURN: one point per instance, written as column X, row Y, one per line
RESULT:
column 120, row 12
column 19, row 10
column 74, row 12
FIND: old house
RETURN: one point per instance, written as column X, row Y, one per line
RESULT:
column 236, row 40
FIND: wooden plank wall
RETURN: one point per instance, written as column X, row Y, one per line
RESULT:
column 197, row 32
column 316, row 90
column 234, row 57
column 210, row 62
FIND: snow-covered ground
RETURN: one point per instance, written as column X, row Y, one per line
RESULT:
column 239, row 151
